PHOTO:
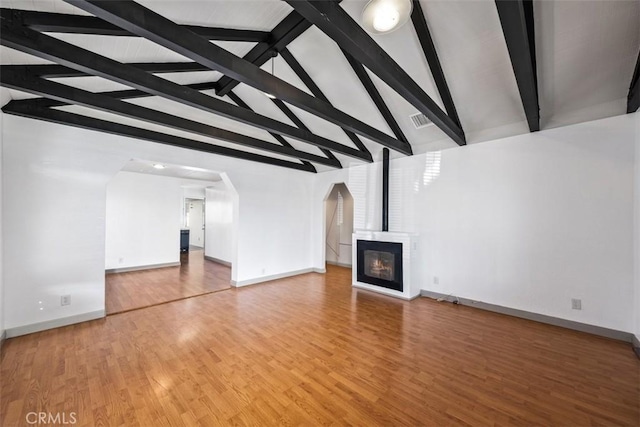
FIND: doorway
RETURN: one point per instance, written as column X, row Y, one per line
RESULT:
column 144, row 216
column 195, row 218
column 338, row 208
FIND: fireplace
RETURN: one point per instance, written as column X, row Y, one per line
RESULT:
column 386, row 262
column 380, row 264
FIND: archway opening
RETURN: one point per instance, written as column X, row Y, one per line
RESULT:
column 338, row 214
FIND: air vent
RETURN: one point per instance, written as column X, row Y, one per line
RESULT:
column 420, row 121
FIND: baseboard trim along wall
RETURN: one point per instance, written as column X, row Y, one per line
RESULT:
column 276, row 276
column 542, row 318
column 55, row 323
column 339, row 264
column 636, row 346
column 216, row 260
column 142, row 267
column 3, row 336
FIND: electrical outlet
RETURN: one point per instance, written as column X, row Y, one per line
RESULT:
column 576, row 304
column 65, row 300
column 436, row 280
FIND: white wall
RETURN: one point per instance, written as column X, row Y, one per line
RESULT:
column 54, row 205
column 527, row 222
column 219, row 229
column 193, row 192
column 4, row 98
column 637, row 225
column 274, row 224
column 338, row 236
column 143, row 220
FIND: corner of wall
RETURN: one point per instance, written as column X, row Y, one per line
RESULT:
column 636, row 225
column 4, row 98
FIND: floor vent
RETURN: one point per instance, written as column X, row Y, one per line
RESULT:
column 420, row 121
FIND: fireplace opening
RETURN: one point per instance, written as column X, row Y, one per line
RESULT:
column 380, row 264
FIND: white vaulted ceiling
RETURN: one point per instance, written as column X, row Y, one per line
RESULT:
column 586, row 52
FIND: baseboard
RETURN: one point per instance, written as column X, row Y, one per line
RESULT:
column 3, row 336
column 542, row 318
column 339, row 264
column 55, row 323
column 636, row 345
column 217, row 260
column 276, row 277
column 383, row 291
column 142, row 267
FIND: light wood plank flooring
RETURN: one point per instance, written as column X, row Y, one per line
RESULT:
column 310, row 350
column 137, row 289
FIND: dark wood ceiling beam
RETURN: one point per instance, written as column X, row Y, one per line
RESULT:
column 633, row 98
column 135, row 93
column 329, row 17
column 18, row 37
column 279, row 138
column 79, row 24
column 516, row 18
column 428, row 48
column 299, row 123
column 284, row 33
column 60, row 71
column 240, row 103
column 84, row 122
column 290, row 114
column 375, row 97
column 296, row 121
column 119, row 94
column 158, row 29
column 315, row 90
column 71, row 95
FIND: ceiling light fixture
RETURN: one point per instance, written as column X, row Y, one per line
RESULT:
column 385, row 16
column 158, row 166
column 273, row 56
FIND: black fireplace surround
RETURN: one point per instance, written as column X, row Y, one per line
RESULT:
column 380, row 264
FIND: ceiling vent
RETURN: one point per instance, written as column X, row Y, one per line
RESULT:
column 420, row 121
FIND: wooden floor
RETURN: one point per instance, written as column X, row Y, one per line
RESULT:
column 310, row 350
column 137, row 289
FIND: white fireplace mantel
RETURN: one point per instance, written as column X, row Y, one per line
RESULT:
column 410, row 261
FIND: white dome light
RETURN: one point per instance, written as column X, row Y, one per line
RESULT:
column 385, row 16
